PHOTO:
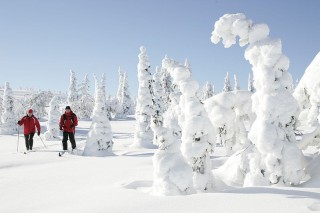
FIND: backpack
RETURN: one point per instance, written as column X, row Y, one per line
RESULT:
column 65, row 117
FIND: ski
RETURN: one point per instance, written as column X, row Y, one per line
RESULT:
column 72, row 152
column 61, row 153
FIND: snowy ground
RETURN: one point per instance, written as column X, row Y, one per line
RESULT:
column 43, row 182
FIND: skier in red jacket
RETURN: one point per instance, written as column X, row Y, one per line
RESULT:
column 30, row 123
column 68, row 122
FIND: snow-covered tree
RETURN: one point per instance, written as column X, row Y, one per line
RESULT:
column 73, row 97
column 236, row 83
column 172, row 174
column 130, row 108
column 307, row 93
column 143, row 135
column 157, row 97
column 227, row 85
column 207, row 91
column 99, row 140
column 125, row 103
column 276, row 158
column 228, row 112
column 86, row 101
column 198, row 137
column 250, row 84
column 166, row 82
column 120, row 86
column 112, row 107
column 8, row 118
column 20, row 106
column 52, row 132
column 39, row 101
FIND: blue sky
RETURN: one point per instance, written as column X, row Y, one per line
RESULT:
column 41, row 40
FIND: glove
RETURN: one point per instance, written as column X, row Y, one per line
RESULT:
column 72, row 125
column 60, row 127
column 19, row 122
column 38, row 133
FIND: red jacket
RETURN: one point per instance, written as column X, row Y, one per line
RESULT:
column 29, row 124
column 68, row 122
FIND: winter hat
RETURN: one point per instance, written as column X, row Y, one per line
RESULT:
column 30, row 111
column 68, row 107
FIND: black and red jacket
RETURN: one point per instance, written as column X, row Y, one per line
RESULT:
column 29, row 124
column 68, row 122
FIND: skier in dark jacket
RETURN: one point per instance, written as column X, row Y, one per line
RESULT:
column 68, row 122
column 30, row 123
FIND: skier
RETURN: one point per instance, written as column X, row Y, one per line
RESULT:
column 30, row 123
column 68, row 122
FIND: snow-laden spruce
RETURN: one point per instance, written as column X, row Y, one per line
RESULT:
column 228, row 112
column 112, row 106
column 227, row 86
column 198, row 137
column 125, row 107
column 144, row 135
column 157, row 97
column 172, row 174
column 99, row 140
column 207, row 91
column 276, row 159
column 166, row 81
column 20, row 106
column 8, row 118
column 52, row 132
column 73, row 97
column 86, row 101
column 236, row 83
column 119, row 109
column 307, row 93
column 158, row 108
column 38, row 102
column 120, row 86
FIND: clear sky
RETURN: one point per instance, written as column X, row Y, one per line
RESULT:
column 41, row 40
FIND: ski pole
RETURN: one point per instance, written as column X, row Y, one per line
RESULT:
column 18, row 141
column 42, row 142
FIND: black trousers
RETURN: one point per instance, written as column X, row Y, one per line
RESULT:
column 65, row 139
column 29, row 140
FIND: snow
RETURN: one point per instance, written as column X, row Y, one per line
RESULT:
column 307, row 93
column 42, row 182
